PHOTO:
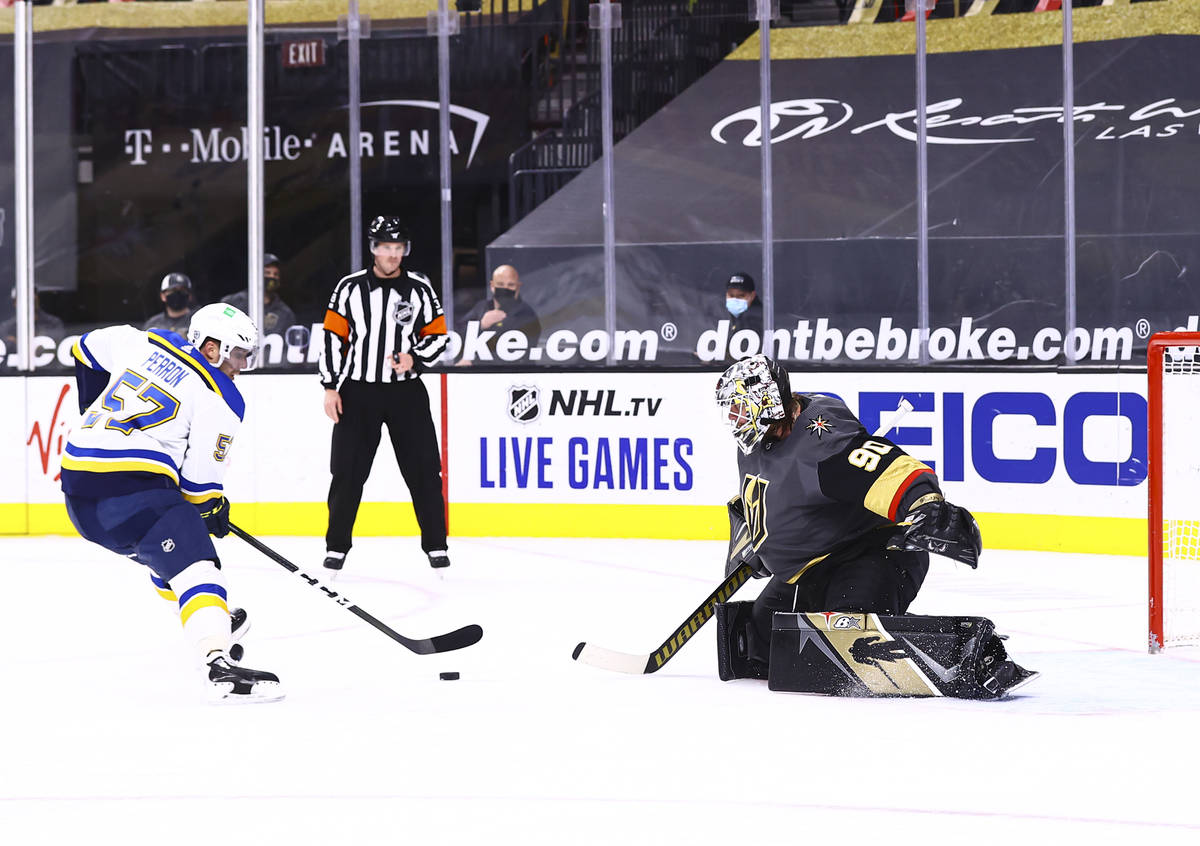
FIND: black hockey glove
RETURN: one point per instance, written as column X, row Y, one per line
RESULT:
column 216, row 517
column 943, row 528
column 740, row 551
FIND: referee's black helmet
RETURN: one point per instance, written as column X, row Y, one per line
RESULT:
column 388, row 228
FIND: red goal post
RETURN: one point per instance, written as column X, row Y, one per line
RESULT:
column 1173, row 394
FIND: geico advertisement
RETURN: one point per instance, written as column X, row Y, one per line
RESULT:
column 1001, row 442
column 1042, row 443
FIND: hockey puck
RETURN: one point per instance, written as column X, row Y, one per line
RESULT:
column 448, row 676
column 236, row 652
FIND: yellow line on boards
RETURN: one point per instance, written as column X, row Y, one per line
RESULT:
column 1039, row 532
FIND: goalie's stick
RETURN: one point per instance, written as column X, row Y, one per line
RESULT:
column 457, row 639
column 623, row 662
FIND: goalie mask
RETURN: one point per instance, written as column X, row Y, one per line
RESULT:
column 755, row 395
column 228, row 326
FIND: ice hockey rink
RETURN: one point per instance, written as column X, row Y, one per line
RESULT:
column 107, row 738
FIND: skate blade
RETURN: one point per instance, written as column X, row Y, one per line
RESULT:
column 1030, row 676
column 222, row 694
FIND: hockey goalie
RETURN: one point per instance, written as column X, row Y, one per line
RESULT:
column 842, row 522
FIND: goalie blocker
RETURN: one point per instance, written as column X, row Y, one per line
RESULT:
column 850, row 654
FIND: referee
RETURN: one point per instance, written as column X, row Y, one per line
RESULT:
column 382, row 327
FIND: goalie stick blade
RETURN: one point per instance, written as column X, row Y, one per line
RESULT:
column 620, row 662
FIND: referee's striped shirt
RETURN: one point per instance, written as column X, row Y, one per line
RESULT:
column 369, row 318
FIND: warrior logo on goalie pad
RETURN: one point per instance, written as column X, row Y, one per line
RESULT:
column 523, row 405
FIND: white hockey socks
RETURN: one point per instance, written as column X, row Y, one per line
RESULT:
column 203, row 611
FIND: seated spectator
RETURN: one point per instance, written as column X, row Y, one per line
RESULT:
column 44, row 323
column 175, row 291
column 503, row 311
column 277, row 316
column 742, row 303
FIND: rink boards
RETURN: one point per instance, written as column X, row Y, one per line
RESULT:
column 1047, row 460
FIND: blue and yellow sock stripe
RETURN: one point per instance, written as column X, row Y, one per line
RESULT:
column 164, row 589
column 201, row 596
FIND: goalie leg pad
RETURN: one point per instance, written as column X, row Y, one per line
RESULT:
column 736, row 638
column 847, row 654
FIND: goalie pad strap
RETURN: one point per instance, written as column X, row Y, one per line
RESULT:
column 851, row 654
column 736, row 641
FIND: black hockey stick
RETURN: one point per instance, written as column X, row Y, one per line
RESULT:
column 457, row 639
column 623, row 662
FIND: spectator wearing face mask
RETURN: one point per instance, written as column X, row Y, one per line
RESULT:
column 742, row 304
column 175, row 291
column 502, row 312
column 277, row 315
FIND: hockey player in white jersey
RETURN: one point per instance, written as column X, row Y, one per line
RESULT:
column 143, row 471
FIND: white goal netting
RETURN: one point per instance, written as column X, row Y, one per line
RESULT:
column 1179, row 430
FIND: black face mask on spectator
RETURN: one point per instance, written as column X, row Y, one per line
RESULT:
column 504, row 297
column 177, row 299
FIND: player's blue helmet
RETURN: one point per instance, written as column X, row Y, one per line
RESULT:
column 755, row 394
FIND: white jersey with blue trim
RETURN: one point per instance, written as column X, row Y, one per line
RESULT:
column 165, row 417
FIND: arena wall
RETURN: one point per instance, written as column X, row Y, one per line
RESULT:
column 1046, row 460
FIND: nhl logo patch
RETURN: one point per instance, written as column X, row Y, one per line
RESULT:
column 523, row 405
column 402, row 312
column 168, row 545
column 819, row 426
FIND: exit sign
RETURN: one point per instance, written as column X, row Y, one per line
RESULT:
column 304, row 54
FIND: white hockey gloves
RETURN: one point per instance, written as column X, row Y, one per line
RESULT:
column 934, row 525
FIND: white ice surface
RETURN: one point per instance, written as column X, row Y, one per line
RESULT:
column 105, row 738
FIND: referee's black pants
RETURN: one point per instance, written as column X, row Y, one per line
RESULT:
column 404, row 407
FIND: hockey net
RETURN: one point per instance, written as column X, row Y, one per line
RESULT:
column 1173, row 371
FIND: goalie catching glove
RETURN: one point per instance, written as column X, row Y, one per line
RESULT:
column 934, row 525
column 216, row 516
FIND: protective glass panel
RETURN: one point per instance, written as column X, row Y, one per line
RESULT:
column 138, row 174
column 688, row 202
column 996, row 209
column 671, row 202
column 8, row 258
column 522, row 70
column 1137, row 190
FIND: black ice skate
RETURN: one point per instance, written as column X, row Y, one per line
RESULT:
column 239, row 625
column 230, row 683
column 439, row 558
column 333, row 564
column 1000, row 675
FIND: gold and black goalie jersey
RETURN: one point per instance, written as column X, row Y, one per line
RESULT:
column 825, row 484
